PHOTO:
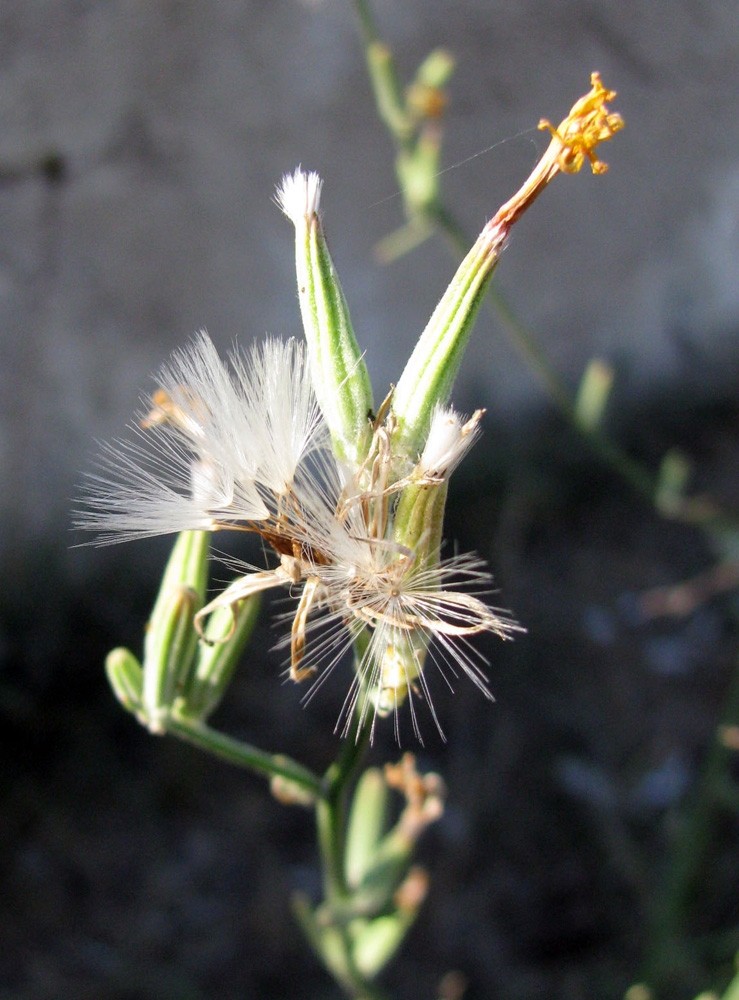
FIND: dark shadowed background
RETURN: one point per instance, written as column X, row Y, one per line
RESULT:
column 140, row 143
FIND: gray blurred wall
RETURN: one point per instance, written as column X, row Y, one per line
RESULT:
column 175, row 120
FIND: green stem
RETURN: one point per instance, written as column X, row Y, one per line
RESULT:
column 388, row 94
column 330, row 795
column 331, row 808
column 331, row 823
column 244, row 755
column 366, row 22
column 668, row 939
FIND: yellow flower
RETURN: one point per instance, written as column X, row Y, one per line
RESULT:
column 588, row 123
column 573, row 141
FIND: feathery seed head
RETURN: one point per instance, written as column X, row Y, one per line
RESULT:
column 284, row 443
column 247, row 447
column 299, row 196
column 216, row 449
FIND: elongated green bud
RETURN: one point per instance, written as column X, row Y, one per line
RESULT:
column 593, row 394
column 390, row 866
column 340, row 375
column 417, row 526
column 436, row 69
column 126, row 678
column 328, row 942
column 428, row 376
column 367, row 824
column 171, row 639
column 392, row 882
column 376, row 941
column 388, row 93
column 419, row 521
column 417, row 529
column 419, row 516
column 168, row 655
column 187, row 566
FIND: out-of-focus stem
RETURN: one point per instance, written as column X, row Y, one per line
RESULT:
column 385, row 84
column 331, row 823
column 668, row 939
column 331, row 809
column 244, row 754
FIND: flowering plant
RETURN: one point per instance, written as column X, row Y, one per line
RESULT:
column 287, row 443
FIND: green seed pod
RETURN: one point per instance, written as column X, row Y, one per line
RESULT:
column 340, row 376
column 171, row 639
column 428, row 376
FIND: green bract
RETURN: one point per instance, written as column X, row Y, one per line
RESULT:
column 340, row 376
column 183, row 674
column 428, row 376
column 171, row 639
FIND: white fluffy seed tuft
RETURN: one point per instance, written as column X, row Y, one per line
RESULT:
column 299, row 195
column 221, row 447
column 450, row 438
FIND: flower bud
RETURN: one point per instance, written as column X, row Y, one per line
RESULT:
column 593, row 394
column 126, row 678
column 340, row 375
column 168, row 655
column 171, row 639
column 367, row 824
column 450, row 438
column 428, row 376
column 376, row 941
column 419, row 522
column 436, row 69
column 401, row 663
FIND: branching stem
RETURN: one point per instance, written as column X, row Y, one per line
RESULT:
column 245, row 755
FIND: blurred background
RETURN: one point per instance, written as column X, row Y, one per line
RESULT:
column 140, row 144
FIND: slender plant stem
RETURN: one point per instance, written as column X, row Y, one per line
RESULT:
column 331, row 808
column 245, row 755
column 331, row 820
column 366, row 22
column 330, row 795
column 669, row 938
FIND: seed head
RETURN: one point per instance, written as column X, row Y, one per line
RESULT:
column 299, row 196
